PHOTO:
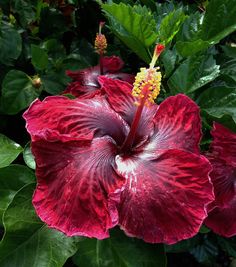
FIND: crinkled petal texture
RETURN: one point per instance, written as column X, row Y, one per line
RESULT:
column 74, row 144
column 222, row 155
column 165, row 196
column 60, row 118
column 77, row 186
column 177, row 125
column 85, row 82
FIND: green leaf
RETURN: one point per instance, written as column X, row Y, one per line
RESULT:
column 227, row 245
column 193, row 73
column 119, row 251
column 170, row 26
column 9, row 151
column 10, row 44
column 13, row 178
column 27, row 241
column 219, row 20
column 205, row 252
column 135, row 26
column 28, row 157
column 219, row 101
column 187, row 49
column 169, row 57
column 39, row 57
column 26, row 11
column 184, row 245
column 17, row 92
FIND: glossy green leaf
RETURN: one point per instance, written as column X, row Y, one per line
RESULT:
column 135, row 26
column 27, row 241
column 119, row 251
column 198, row 34
column 13, row 178
column 28, row 157
column 187, row 49
column 168, row 58
column 9, row 151
column 39, row 57
column 219, row 101
column 193, row 73
column 219, row 20
column 10, row 44
column 17, row 92
column 170, row 25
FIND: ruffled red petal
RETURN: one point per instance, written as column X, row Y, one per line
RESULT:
column 86, row 80
column 119, row 96
column 58, row 118
column 166, row 195
column 177, row 125
column 222, row 156
column 222, row 220
column 77, row 188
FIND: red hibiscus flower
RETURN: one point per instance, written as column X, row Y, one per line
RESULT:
column 222, row 155
column 118, row 158
column 85, row 82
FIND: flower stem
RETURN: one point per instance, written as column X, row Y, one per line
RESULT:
column 101, row 63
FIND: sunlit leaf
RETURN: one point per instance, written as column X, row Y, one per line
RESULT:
column 193, row 73
column 9, row 151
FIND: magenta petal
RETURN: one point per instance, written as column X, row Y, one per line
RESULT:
column 165, row 197
column 119, row 96
column 77, row 187
column 222, row 220
column 59, row 118
column 177, row 125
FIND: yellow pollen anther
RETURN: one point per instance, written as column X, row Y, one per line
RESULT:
column 100, row 43
column 147, row 84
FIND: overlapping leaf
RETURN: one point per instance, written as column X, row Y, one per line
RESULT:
column 135, row 26
column 27, row 241
column 119, row 251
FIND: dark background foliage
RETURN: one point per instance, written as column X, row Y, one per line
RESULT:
column 39, row 40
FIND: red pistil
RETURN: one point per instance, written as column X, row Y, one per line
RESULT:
column 127, row 145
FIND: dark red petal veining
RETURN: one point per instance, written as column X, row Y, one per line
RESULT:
column 58, row 118
column 165, row 197
column 177, row 125
column 77, row 188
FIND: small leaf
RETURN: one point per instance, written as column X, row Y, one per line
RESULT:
column 120, row 251
column 39, row 57
column 9, row 151
column 28, row 157
column 193, row 73
column 12, row 179
column 219, row 101
column 10, row 44
column 170, row 26
column 17, row 92
column 27, row 241
column 135, row 26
